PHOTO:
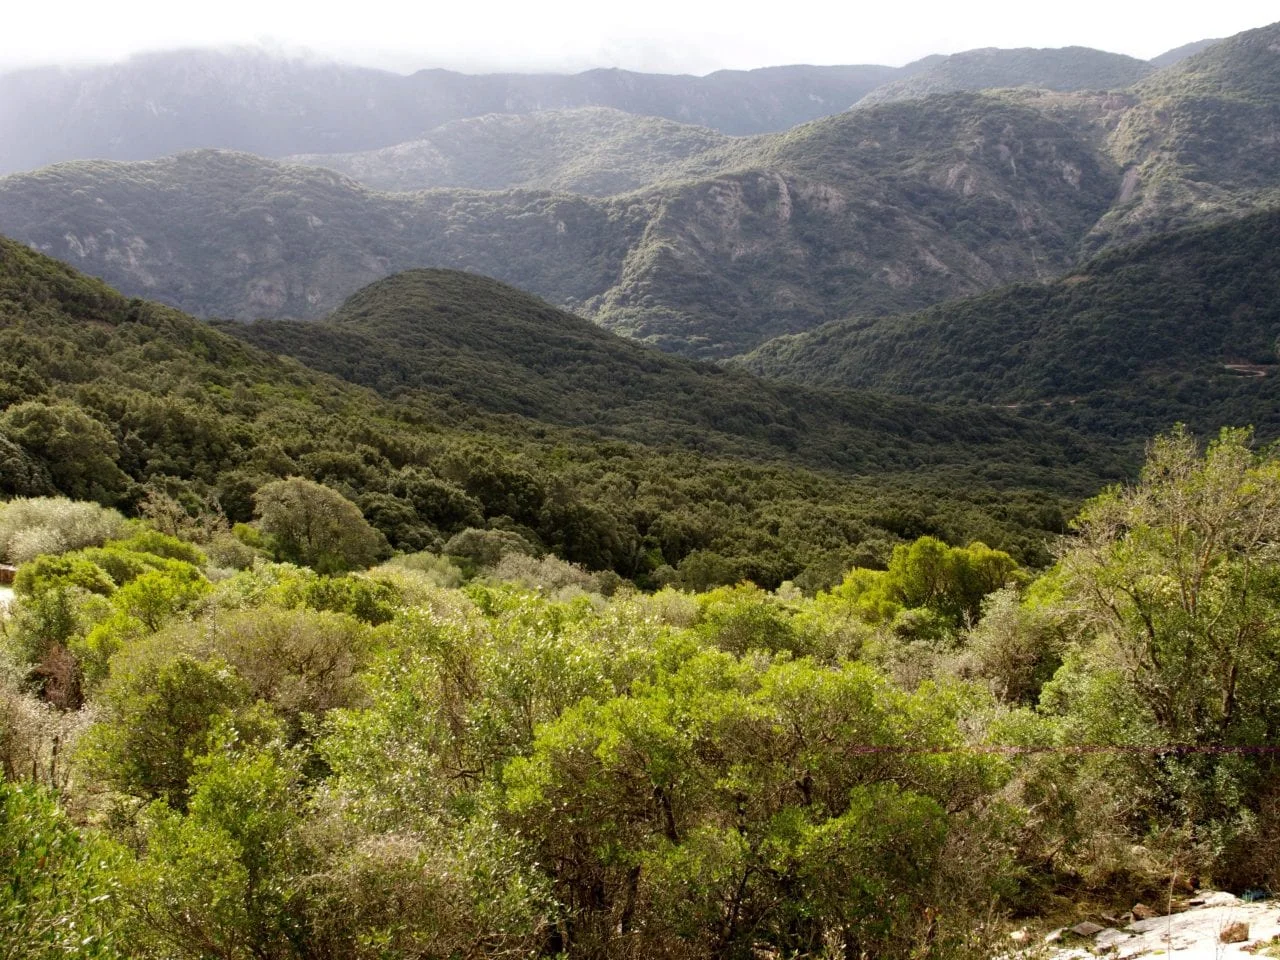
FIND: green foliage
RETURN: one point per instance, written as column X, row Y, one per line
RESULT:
column 159, row 708
column 207, row 418
column 1175, row 580
column 702, row 802
column 78, row 452
column 314, row 525
column 484, row 548
column 221, row 879
column 927, row 574
column 30, row 527
column 59, row 893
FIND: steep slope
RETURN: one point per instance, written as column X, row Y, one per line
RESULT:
column 101, row 394
column 592, row 150
column 1202, row 143
column 232, row 235
column 247, row 99
column 1180, row 327
column 1178, row 54
column 1067, row 68
column 877, row 210
column 498, row 349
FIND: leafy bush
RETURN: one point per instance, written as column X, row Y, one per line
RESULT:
column 59, row 893
column 30, row 527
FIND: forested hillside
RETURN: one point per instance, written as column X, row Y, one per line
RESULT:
column 105, row 397
column 1182, row 327
column 470, row 339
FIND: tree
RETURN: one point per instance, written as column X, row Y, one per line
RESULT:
column 317, row 526
column 157, row 712
column 1176, row 582
column 78, row 452
column 1179, row 578
column 223, row 881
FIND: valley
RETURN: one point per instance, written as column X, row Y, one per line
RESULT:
column 811, row 512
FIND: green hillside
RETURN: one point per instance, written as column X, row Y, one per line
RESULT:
column 108, row 398
column 1182, row 327
column 1201, row 143
column 592, row 150
column 494, row 348
column 1067, row 68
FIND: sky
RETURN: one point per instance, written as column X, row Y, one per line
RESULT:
column 669, row 36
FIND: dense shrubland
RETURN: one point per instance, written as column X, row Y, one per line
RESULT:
column 213, row 752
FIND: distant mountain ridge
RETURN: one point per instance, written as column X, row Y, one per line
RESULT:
column 1170, row 57
column 158, row 104
column 594, row 151
column 1064, row 69
column 897, row 206
column 248, row 99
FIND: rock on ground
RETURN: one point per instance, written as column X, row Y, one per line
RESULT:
column 1194, row 934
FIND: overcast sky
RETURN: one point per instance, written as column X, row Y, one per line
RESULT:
column 690, row 36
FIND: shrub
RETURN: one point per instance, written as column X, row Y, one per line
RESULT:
column 30, row 527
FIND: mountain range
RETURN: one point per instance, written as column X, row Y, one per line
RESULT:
column 246, row 99
column 697, row 242
column 251, row 100
column 891, row 208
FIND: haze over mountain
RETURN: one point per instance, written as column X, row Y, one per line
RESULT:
column 1065, row 69
column 275, row 105
column 1170, row 57
column 157, row 104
